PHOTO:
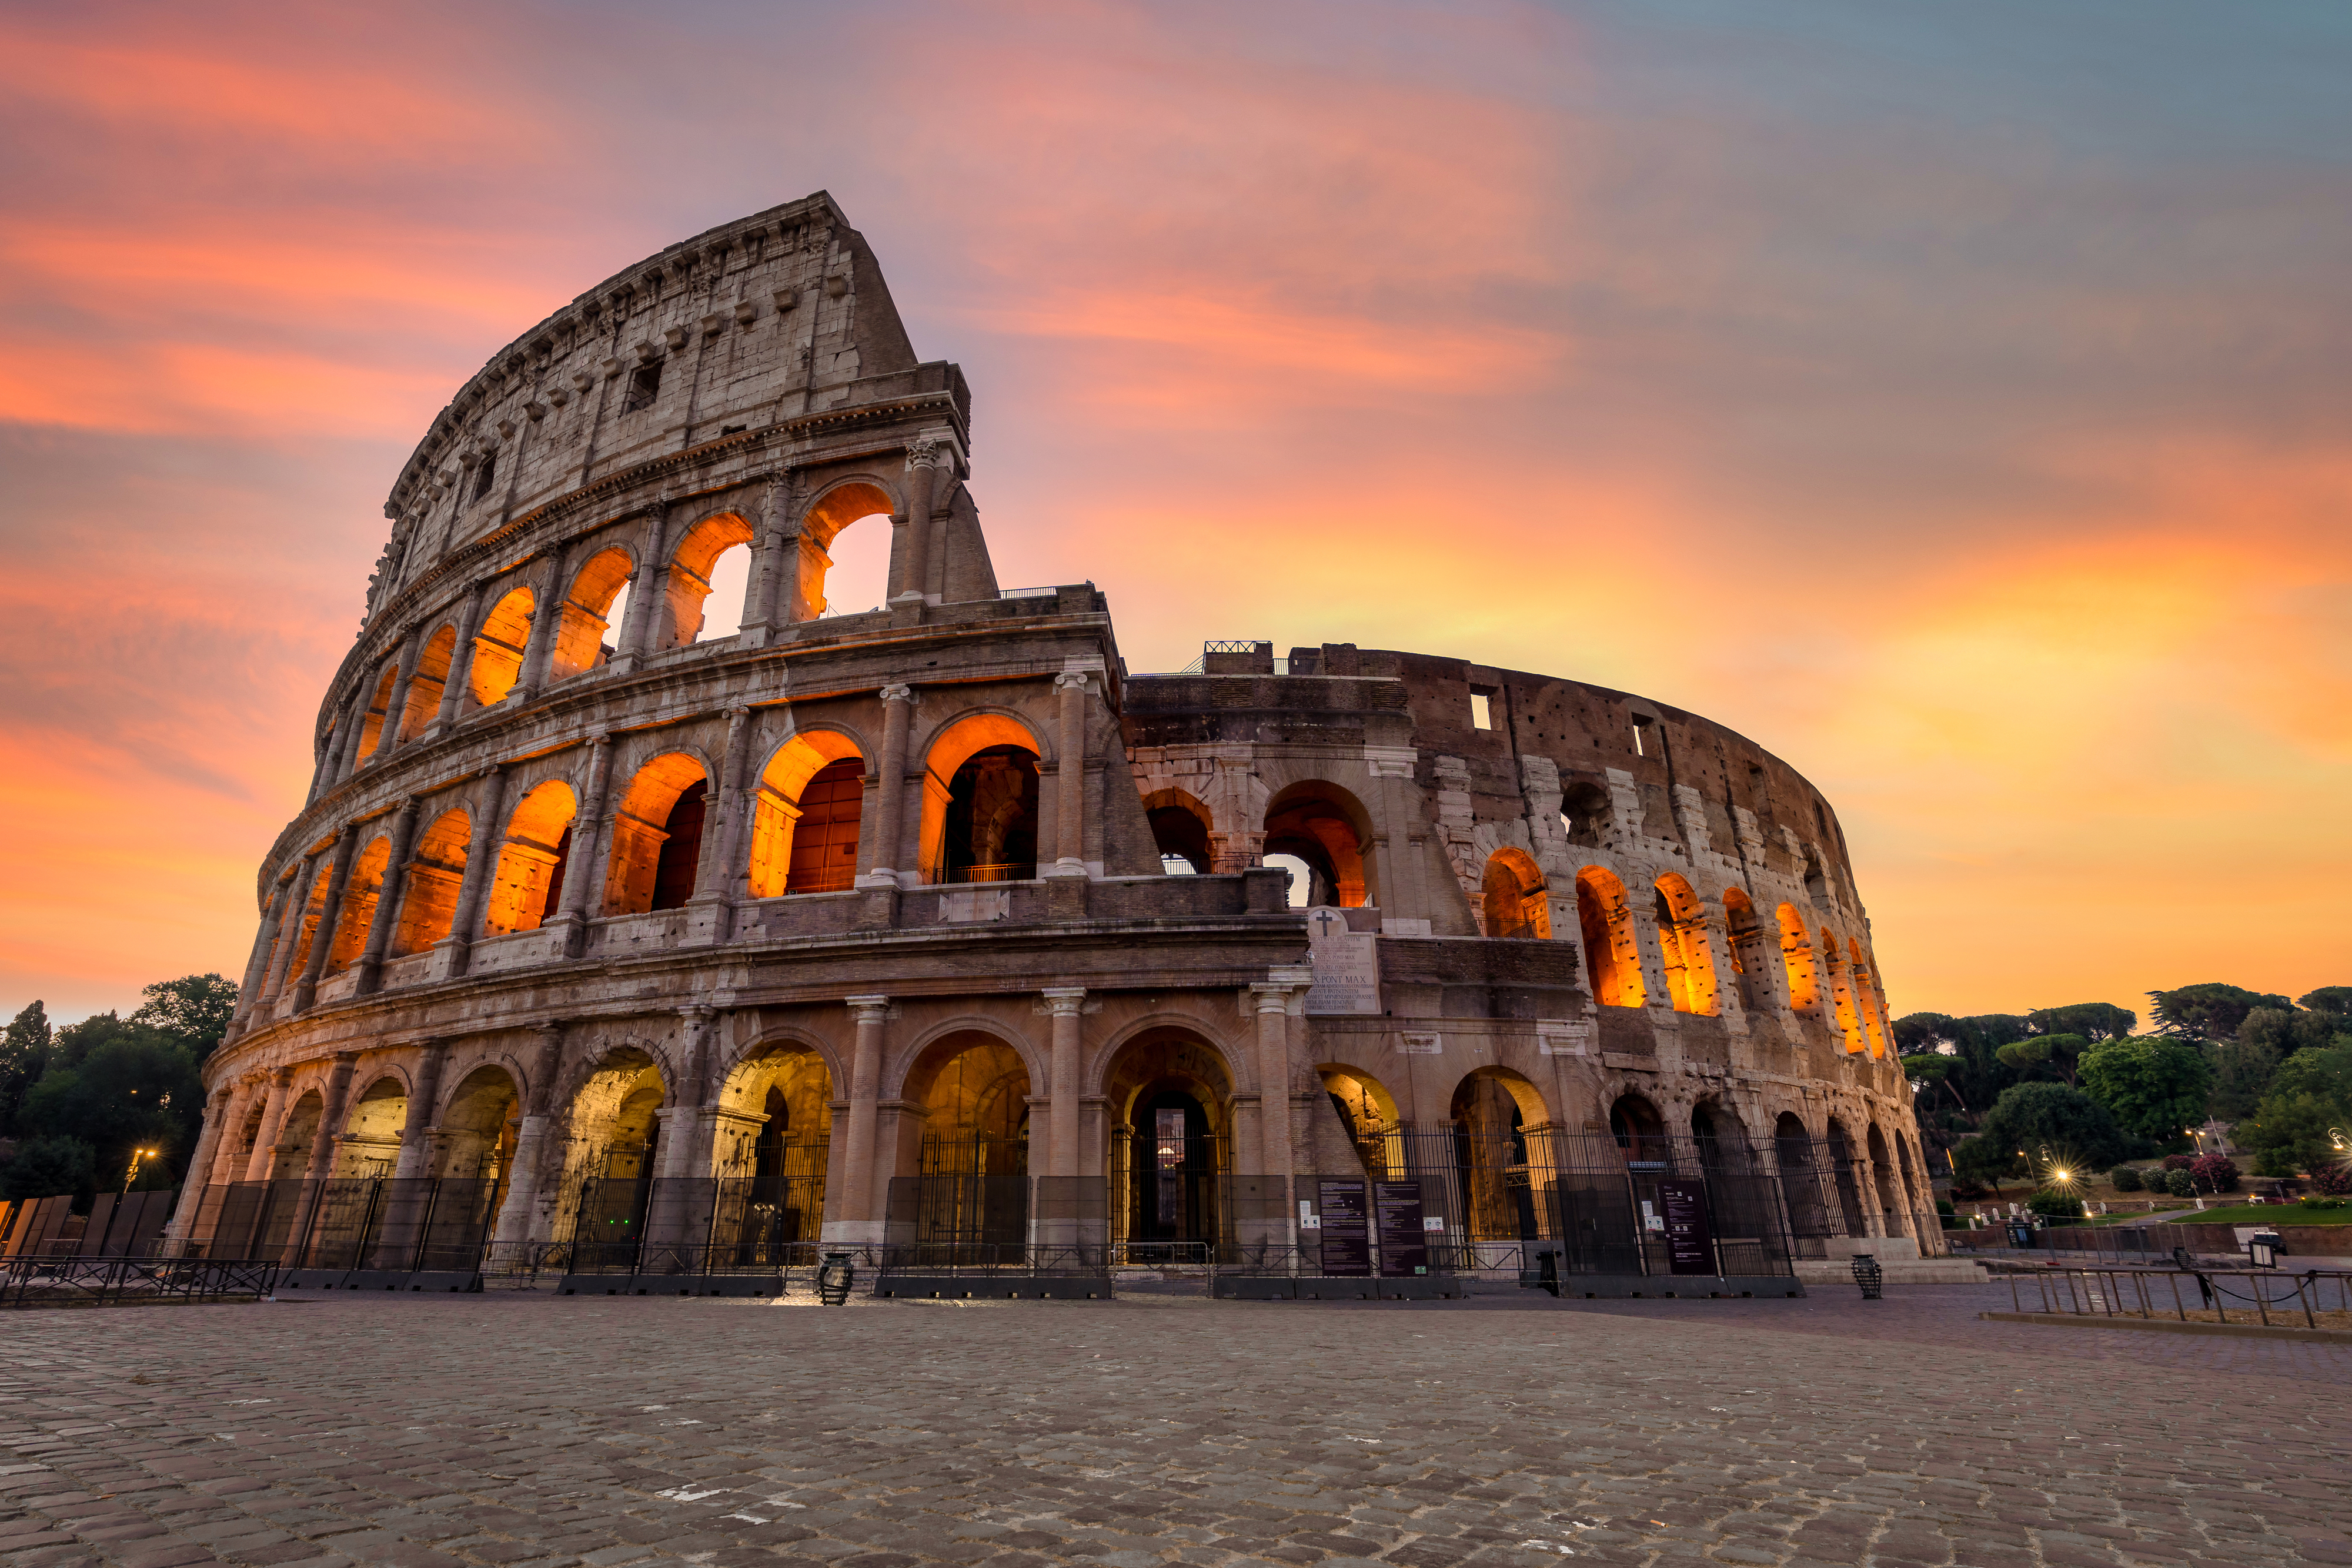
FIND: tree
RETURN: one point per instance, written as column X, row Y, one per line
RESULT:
column 2310, row 1096
column 49, row 1167
column 1931, row 1070
column 2034, row 1116
column 2242, row 1069
column 2155, row 1087
column 23, row 1056
column 2060, row 1053
column 2333, row 1000
column 2289, row 1029
column 2210, row 1011
column 134, row 1089
column 192, row 1010
column 2093, row 1020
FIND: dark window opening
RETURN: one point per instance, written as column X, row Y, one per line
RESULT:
column 681, row 852
column 485, row 476
column 991, row 817
column 644, row 383
column 1181, row 836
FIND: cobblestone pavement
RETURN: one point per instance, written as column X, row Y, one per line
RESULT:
column 512, row 1431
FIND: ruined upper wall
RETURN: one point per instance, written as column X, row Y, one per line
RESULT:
column 765, row 318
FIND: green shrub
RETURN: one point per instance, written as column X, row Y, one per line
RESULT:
column 2181, row 1183
column 2312, row 1200
column 2124, row 1178
column 2056, row 1203
column 49, row 1167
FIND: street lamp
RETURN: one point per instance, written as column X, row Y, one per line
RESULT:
column 137, row 1157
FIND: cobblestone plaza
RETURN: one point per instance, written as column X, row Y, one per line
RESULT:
column 507, row 1429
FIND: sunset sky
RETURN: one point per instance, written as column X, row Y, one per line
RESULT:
column 1956, row 401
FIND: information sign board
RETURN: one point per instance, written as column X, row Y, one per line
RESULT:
column 1397, row 1219
column 1690, row 1241
column 1346, row 1242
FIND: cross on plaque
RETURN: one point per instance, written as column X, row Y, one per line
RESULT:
column 1323, row 919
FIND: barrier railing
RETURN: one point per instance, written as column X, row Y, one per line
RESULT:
column 2252, row 1294
column 37, row 1282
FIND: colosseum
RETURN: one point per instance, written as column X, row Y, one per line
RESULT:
column 618, row 944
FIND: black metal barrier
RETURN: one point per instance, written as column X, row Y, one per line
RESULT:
column 33, row 1282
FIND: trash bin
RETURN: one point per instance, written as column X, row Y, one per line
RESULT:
column 1869, row 1276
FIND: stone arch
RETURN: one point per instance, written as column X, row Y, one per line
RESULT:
column 1182, row 826
column 372, row 717
column 427, row 682
column 528, row 884
column 290, row 1156
column 1796, row 962
column 361, row 889
column 1587, row 813
column 979, row 788
column 776, row 1096
column 1746, row 941
column 1639, row 1129
column 1683, row 941
column 804, row 824
column 436, row 870
column 1713, row 1121
column 691, row 563
column 1842, row 993
column 369, row 1145
column 307, row 931
column 1840, row 1150
column 966, row 1134
column 579, row 633
column 1612, row 953
column 1512, row 897
column 656, row 850
column 1168, row 1094
column 1327, row 828
column 612, row 1108
column 1883, row 1176
column 499, row 647
column 846, row 501
column 478, row 1124
column 1800, row 1175
column 1865, row 995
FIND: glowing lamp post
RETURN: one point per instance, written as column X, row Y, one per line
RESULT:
column 138, row 1158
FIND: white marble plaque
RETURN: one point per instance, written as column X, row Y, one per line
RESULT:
column 1347, row 964
column 1420, row 1045
column 1565, row 1037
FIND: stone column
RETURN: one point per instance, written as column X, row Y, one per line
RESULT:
column 1066, row 1004
column 337, row 1089
column 768, row 549
column 322, row 939
column 715, row 871
column 461, row 665
column 297, row 905
column 1070, row 778
column 514, row 1221
column 857, row 1221
column 273, row 1113
column 481, row 858
column 678, row 1140
column 889, row 811
column 415, row 1143
column 257, row 968
column 388, row 737
column 648, row 593
column 546, row 625
column 200, row 1163
column 592, row 832
column 388, row 897
column 914, row 560
column 1274, row 1075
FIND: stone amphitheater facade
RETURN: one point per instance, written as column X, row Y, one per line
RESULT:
column 841, row 898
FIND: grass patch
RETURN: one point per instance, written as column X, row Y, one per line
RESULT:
column 2268, row 1214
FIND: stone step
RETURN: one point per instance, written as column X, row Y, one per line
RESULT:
column 1894, row 1271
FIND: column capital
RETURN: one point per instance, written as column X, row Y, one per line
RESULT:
column 550, row 1028
column 1064, row 1001
column 868, row 1007
column 897, row 693
column 923, row 452
column 1272, row 998
column 1072, row 680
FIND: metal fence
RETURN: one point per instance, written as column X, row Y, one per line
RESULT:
column 28, row 1279
column 392, row 1224
column 2270, row 1298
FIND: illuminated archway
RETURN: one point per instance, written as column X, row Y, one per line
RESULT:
column 1797, row 961
column 1683, row 941
column 1849, row 1023
column 982, row 772
column 580, row 635
column 657, row 837
column 370, row 1146
column 805, row 825
column 427, row 682
column 1512, row 897
column 1612, row 953
column 428, row 904
column 691, row 566
column 834, row 510
column 1326, row 828
column 1865, row 992
column 1747, row 945
column 499, row 648
column 1169, row 1094
column 527, row 885
column 372, row 718
column 361, row 889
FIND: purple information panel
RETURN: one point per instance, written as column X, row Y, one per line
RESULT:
column 1690, row 1243
column 1396, row 1218
column 1347, row 1238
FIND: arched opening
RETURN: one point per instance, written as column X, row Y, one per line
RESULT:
column 694, row 576
column 1640, row 1132
column 289, row 1159
column 1612, row 954
column 773, row 1138
column 614, row 1130
column 1513, row 898
column 1298, row 885
column 370, row 1146
column 372, row 721
column 980, row 802
column 1324, row 827
column 587, row 613
column 428, row 904
column 1801, row 1177
column 1171, row 1113
column 1683, row 941
column 1849, row 1192
column 1796, row 962
column 970, row 1184
column 805, row 825
column 1817, row 882
column 1180, row 826
column 307, row 930
column 1910, row 1176
column 528, row 886
column 427, row 682
column 361, row 889
column 1746, row 947
column 1586, row 814
column 1367, row 1114
column 499, row 647
column 1842, row 993
column 477, row 1131
column 1499, row 1125
column 1892, row 1218
column 1865, row 992
column 657, row 837
column 844, row 570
